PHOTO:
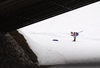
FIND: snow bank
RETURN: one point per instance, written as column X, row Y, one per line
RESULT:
column 87, row 47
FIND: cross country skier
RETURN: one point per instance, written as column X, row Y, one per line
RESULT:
column 74, row 34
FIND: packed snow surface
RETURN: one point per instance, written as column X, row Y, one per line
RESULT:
column 86, row 49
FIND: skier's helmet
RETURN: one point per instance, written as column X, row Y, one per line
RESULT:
column 71, row 32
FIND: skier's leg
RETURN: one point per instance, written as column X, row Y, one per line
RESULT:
column 74, row 39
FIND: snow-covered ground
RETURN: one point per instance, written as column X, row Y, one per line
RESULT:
column 40, row 37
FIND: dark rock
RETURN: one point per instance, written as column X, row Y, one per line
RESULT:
column 12, row 55
column 23, row 44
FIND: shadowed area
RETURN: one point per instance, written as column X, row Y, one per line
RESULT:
column 15, row 14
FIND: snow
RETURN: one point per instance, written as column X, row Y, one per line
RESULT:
column 86, row 49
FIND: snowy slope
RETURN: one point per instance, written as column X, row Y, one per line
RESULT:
column 87, row 47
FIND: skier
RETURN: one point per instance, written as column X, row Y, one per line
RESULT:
column 74, row 34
